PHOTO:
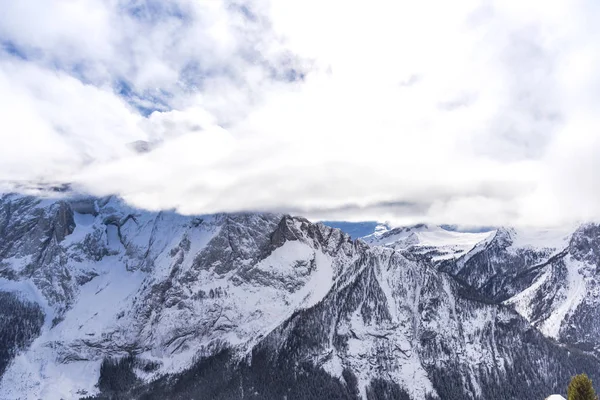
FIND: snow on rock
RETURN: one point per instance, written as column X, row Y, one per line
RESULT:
column 555, row 238
column 549, row 276
column 164, row 286
column 569, row 299
column 116, row 281
column 495, row 265
column 440, row 243
column 523, row 301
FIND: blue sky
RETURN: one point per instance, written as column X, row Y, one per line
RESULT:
column 470, row 113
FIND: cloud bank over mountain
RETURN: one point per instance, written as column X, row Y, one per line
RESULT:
column 474, row 112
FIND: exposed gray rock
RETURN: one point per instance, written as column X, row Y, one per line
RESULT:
column 294, row 297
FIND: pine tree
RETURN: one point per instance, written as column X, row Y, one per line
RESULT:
column 580, row 388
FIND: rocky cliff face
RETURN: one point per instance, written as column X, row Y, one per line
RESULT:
column 115, row 282
column 154, row 305
column 493, row 264
column 564, row 294
column 30, row 234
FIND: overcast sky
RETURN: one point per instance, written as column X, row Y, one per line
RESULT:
column 462, row 112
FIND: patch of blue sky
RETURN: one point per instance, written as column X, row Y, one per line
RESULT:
column 152, row 11
column 145, row 102
column 11, row 48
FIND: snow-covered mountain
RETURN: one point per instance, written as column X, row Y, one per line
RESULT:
column 359, row 229
column 114, row 281
column 550, row 277
column 106, row 300
column 433, row 240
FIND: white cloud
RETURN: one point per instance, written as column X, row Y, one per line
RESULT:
column 53, row 125
column 470, row 112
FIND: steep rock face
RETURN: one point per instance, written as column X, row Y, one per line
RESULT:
column 390, row 327
column 582, row 327
column 241, row 285
column 431, row 241
column 550, row 277
column 492, row 265
column 585, row 245
column 31, row 231
column 399, row 320
column 28, row 226
column 163, row 287
column 221, row 304
column 563, row 298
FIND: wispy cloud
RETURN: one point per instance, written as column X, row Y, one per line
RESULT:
column 470, row 112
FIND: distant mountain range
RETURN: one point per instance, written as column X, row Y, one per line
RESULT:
column 105, row 301
column 358, row 229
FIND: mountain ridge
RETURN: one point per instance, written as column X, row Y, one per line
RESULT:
column 171, row 293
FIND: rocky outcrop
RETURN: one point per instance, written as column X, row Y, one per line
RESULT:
column 183, row 306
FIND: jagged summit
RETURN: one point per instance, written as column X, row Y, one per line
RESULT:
column 433, row 240
column 114, row 280
column 221, row 303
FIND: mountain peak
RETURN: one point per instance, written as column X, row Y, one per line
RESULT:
column 284, row 299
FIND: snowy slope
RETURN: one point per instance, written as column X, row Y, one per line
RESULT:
column 549, row 276
column 440, row 243
column 286, row 297
column 158, row 285
column 392, row 327
column 491, row 266
column 564, row 295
